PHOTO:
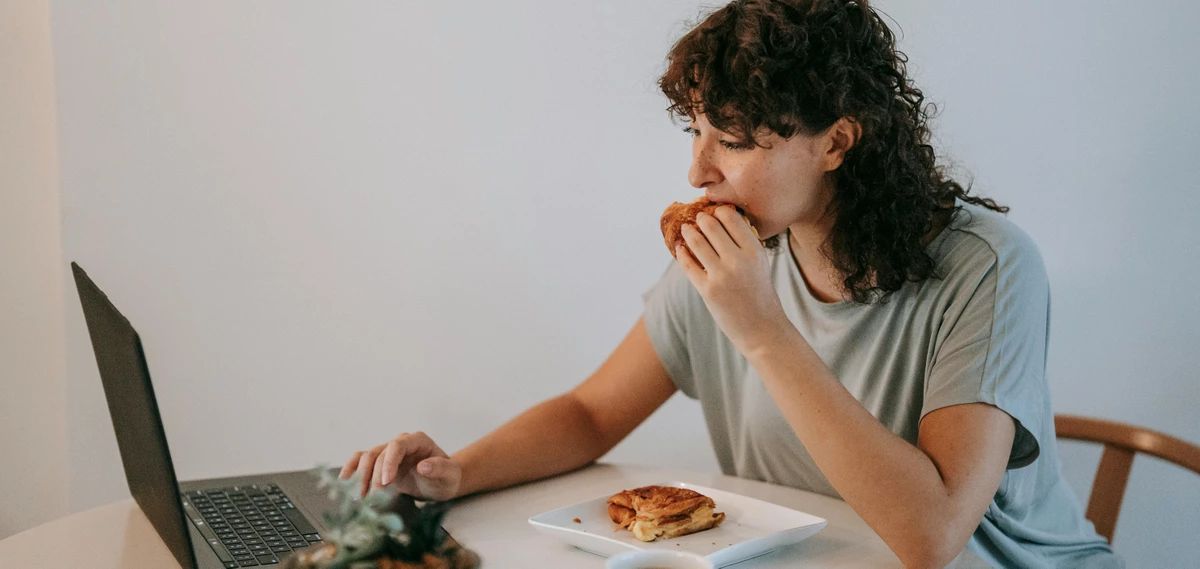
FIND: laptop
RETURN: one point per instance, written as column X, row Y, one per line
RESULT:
column 221, row 523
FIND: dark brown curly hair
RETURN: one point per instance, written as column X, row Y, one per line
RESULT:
column 800, row 65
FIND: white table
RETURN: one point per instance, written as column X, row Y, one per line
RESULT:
column 118, row 535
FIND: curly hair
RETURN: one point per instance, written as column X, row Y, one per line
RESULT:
column 799, row 66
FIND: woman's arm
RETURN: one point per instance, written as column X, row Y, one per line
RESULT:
column 575, row 428
column 555, row 436
column 924, row 501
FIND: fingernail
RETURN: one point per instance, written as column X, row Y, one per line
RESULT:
column 385, row 479
column 424, row 468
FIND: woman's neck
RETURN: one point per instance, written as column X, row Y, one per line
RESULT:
column 822, row 277
column 824, row 280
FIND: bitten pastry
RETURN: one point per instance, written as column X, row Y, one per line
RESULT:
column 654, row 512
column 679, row 214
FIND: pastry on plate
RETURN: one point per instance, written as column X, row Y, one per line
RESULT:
column 663, row 512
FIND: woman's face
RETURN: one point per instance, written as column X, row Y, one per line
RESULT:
column 778, row 187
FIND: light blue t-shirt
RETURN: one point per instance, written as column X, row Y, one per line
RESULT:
column 975, row 333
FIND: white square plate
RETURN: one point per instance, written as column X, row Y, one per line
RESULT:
column 751, row 528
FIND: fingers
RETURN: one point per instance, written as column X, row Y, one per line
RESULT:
column 377, row 474
column 737, row 227
column 366, row 467
column 392, row 456
column 438, row 478
column 714, row 230
column 429, row 467
column 690, row 266
column 700, row 246
column 384, row 464
column 434, row 467
column 351, row 465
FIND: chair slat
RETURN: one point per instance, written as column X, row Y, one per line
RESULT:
column 1121, row 441
column 1109, row 489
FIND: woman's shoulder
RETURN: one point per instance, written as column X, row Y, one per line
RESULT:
column 979, row 240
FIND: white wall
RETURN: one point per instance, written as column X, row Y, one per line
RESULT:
column 33, row 419
column 333, row 222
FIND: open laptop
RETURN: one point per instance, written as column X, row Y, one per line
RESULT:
column 243, row 521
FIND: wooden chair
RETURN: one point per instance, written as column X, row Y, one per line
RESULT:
column 1120, row 442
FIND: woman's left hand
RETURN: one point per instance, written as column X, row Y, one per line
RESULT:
column 733, row 278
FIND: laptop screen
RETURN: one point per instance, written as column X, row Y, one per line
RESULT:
column 136, row 421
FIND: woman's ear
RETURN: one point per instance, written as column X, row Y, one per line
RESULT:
column 839, row 138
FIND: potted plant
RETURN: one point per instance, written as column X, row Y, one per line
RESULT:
column 384, row 530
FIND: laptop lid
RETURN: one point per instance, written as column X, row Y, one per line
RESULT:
column 135, row 417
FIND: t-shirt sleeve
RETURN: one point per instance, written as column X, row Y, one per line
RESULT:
column 668, row 305
column 992, row 344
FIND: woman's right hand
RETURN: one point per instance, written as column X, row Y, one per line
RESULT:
column 412, row 463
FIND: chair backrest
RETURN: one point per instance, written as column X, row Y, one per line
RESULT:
column 1120, row 442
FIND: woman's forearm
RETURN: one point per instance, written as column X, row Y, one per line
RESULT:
column 893, row 485
column 550, row 438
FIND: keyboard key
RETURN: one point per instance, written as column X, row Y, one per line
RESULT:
column 232, row 564
column 300, row 522
column 266, row 559
column 311, row 537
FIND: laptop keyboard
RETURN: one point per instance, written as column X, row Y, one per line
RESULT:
column 251, row 525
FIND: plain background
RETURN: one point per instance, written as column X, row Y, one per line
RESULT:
column 334, row 222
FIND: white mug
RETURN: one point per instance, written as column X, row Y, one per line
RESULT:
column 658, row 560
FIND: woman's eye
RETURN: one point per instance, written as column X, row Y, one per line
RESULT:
column 730, row 145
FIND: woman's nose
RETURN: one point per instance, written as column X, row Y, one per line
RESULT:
column 703, row 172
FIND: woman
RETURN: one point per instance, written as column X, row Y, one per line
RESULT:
column 887, row 345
